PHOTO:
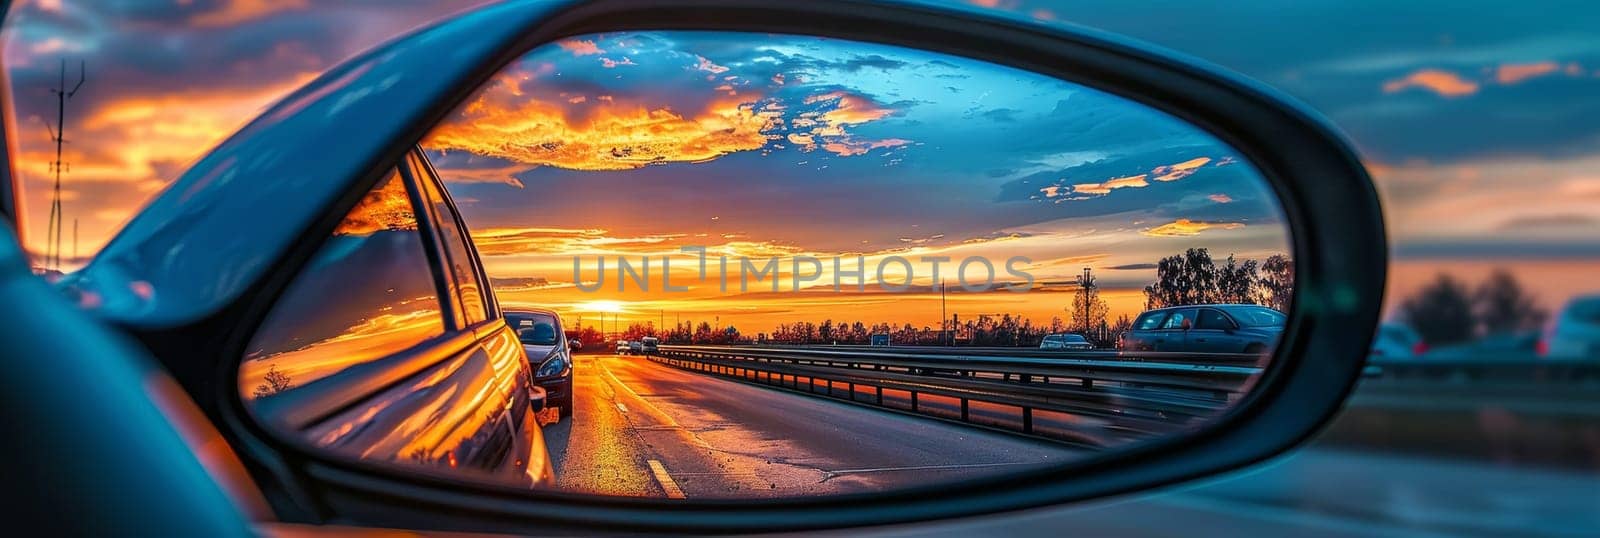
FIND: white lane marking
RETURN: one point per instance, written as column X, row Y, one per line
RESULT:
column 621, row 407
column 671, row 487
column 932, row 467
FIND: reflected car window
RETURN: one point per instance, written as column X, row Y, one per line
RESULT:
column 452, row 236
column 367, row 294
column 1256, row 316
column 1178, row 317
column 1150, row 321
column 1213, row 320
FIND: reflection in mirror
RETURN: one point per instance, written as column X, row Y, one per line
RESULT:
column 795, row 266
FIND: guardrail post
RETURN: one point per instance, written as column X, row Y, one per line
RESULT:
column 811, row 385
column 880, row 395
column 852, row 388
column 913, row 400
column 1027, row 420
column 963, row 409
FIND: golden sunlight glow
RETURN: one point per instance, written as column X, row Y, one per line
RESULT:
column 609, row 307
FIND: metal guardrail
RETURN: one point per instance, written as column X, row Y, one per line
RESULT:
column 1126, row 395
column 1131, row 394
column 1501, row 369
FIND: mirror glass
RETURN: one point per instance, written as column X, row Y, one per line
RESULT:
column 758, row 266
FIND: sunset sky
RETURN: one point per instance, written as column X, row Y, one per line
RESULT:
column 1483, row 136
column 637, row 144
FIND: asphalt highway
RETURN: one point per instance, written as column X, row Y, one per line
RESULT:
column 643, row 429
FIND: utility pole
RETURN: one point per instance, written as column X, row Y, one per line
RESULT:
column 58, row 135
column 1089, row 291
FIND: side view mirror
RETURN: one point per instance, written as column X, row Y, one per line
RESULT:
column 574, row 344
column 892, row 136
column 1188, row 324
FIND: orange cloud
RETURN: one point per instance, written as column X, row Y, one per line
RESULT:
column 610, row 136
column 1179, row 171
column 580, row 47
column 1444, row 83
column 387, row 207
column 1221, row 198
column 1111, row 184
column 1514, row 73
column 827, row 128
column 236, row 11
column 1186, row 227
column 849, row 108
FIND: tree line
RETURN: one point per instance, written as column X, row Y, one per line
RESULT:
column 1194, row 278
column 1188, row 278
column 1446, row 311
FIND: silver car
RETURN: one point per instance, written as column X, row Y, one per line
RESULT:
column 1397, row 341
column 1075, row 342
column 1574, row 333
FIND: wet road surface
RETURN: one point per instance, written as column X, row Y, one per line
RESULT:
column 643, row 429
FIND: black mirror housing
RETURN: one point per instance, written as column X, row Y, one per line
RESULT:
column 363, row 116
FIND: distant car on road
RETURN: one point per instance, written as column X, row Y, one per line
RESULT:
column 549, row 351
column 623, row 346
column 635, row 347
column 1066, row 341
column 649, row 344
column 1210, row 328
column 1574, row 332
column 1397, row 341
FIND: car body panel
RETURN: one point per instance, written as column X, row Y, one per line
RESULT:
column 1574, row 332
column 452, row 398
column 1065, row 341
column 1397, row 341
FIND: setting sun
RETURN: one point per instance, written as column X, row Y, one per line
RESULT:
column 609, row 307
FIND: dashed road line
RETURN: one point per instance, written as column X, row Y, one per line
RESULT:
column 667, row 484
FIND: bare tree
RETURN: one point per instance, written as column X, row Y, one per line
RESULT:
column 274, row 382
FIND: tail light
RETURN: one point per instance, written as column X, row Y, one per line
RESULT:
column 1419, row 348
column 1542, row 348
